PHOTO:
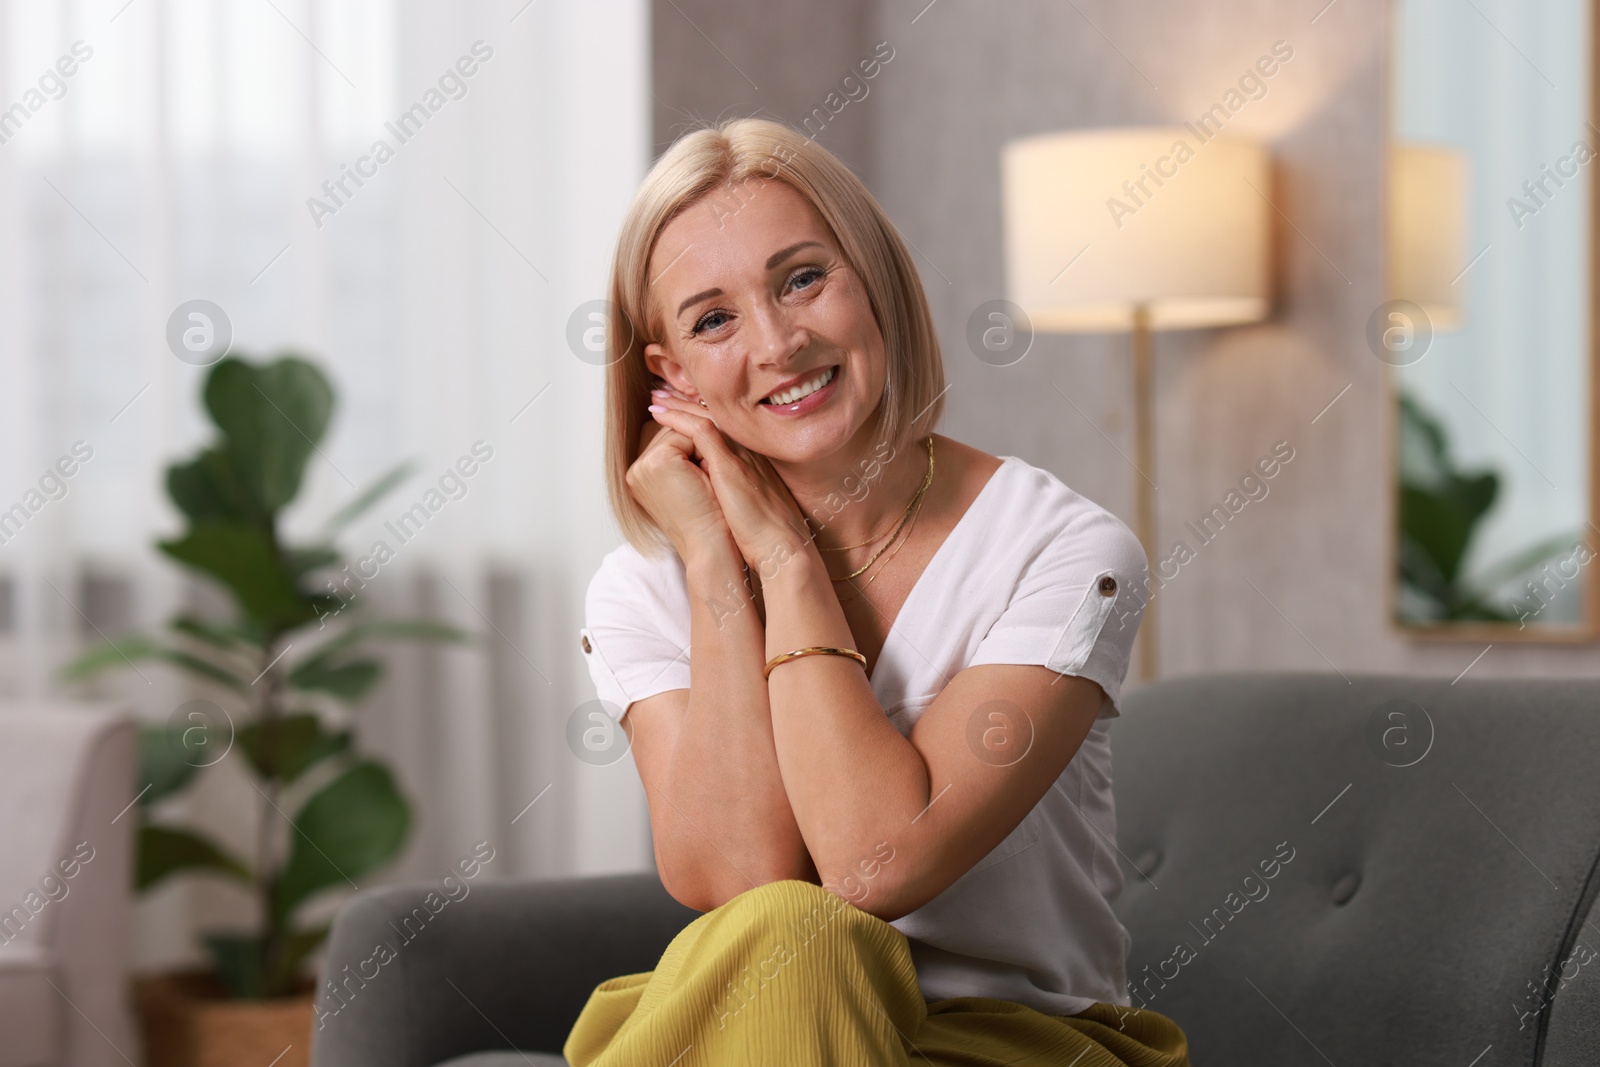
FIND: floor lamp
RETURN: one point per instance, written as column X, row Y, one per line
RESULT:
column 1132, row 231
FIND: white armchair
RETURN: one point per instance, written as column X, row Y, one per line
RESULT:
column 66, row 853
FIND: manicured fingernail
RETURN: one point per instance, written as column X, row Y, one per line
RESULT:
column 658, row 392
column 655, row 407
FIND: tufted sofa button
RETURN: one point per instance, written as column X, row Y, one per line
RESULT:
column 1345, row 888
column 1147, row 862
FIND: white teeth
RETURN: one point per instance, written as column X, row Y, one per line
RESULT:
column 803, row 390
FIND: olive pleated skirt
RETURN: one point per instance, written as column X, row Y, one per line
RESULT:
column 788, row 973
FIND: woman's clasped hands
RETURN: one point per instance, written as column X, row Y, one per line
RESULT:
column 703, row 491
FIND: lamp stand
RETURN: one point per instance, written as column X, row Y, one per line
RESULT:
column 1144, row 459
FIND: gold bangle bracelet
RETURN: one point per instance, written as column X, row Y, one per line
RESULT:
column 814, row 650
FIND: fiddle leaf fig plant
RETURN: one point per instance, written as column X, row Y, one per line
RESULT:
column 326, row 814
column 1442, row 508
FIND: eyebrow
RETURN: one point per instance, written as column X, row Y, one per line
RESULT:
column 772, row 261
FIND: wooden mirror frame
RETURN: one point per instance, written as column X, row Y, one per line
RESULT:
column 1588, row 628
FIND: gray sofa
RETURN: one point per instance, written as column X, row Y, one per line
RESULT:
column 1383, row 870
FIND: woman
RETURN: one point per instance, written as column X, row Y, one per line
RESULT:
column 866, row 671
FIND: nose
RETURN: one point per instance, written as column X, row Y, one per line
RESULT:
column 778, row 334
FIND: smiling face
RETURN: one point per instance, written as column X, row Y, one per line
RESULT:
column 762, row 317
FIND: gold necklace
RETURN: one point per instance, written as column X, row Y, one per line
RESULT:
column 915, row 500
column 861, row 590
column 875, row 538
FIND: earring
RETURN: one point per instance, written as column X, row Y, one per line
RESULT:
column 701, row 402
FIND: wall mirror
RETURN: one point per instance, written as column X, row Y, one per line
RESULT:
column 1489, row 326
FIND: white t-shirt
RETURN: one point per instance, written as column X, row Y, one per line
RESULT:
column 1032, row 573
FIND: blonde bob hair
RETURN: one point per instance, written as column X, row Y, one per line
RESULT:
column 731, row 154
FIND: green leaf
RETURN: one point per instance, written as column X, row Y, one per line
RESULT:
column 244, row 559
column 162, row 766
column 352, row 679
column 1419, row 572
column 119, row 653
column 228, row 636
column 1528, row 558
column 290, row 745
column 164, row 850
column 353, row 825
column 357, row 507
column 1441, row 506
column 301, row 561
column 240, row 961
column 272, row 417
column 205, row 669
column 389, row 629
column 1438, row 525
column 133, row 648
column 207, row 490
column 347, row 681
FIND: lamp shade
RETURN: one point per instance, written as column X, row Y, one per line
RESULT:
column 1427, row 228
column 1101, row 222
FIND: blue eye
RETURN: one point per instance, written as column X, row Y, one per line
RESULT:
column 813, row 273
column 701, row 325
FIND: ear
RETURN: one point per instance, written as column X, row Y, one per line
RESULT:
column 662, row 365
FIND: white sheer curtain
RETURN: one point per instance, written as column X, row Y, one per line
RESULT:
column 178, row 161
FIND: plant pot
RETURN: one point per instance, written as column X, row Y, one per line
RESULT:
column 188, row 1020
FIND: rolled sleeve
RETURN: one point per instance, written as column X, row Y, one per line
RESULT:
column 633, row 640
column 1077, row 607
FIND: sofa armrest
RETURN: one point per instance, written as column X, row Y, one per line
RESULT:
column 411, row 981
column 1572, row 1008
